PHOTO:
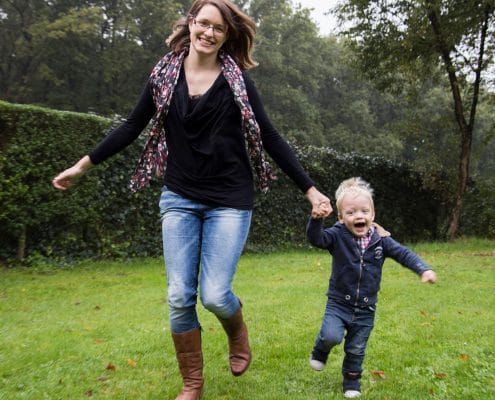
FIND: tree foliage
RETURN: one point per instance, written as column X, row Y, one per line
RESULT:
column 81, row 55
column 95, row 56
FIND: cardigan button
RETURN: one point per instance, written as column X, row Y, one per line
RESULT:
column 365, row 299
column 347, row 297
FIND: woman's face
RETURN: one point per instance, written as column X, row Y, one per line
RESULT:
column 208, row 31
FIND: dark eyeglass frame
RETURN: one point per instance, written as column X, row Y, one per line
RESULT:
column 205, row 25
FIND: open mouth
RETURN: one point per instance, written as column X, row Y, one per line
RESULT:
column 360, row 225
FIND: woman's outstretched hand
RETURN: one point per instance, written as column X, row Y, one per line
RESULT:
column 320, row 203
column 67, row 178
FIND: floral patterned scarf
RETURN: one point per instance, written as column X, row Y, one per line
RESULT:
column 163, row 80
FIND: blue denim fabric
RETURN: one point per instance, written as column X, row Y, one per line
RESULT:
column 202, row 245
column 356, row 323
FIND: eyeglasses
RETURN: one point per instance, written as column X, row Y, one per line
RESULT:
column 216, row 29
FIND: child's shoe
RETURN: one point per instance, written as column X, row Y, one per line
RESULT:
column 318, row 360
column 352, row 385
column 317, row 365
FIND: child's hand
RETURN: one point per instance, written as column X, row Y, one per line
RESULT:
column 322, row 210
column 428, row 277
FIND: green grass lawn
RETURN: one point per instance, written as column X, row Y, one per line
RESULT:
column 100, row 330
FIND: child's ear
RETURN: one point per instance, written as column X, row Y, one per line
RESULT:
column 339, row 216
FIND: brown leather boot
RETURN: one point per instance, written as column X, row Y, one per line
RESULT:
column 240, row 353
column 190, row 359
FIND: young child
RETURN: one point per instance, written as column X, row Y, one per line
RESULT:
column 358, row 247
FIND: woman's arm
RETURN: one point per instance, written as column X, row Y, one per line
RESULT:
column 284, row 156
column 128, row 131
column 274, row 144
column 116, row 140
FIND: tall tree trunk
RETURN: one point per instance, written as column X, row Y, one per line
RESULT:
column 464, row 129
column 467, row 131
column 455, row 216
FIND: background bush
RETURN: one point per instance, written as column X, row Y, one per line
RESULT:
column 100, row 217
column 403, row 205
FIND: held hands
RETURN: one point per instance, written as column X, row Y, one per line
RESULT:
column 320, row 203
column 428, row 277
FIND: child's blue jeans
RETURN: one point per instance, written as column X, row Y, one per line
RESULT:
column 356, row 323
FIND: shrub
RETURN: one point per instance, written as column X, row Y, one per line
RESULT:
column 100, row 217
column 403, row 205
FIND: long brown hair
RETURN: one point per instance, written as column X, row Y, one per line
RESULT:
column 241, row 31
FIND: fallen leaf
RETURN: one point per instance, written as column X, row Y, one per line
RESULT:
column 131, row 363
column 423, row 313
column 440, row 375
column 99, row 341
column 464, row 357
column 97, row 307
column 88, row 393
column 110, row 367
column 102, row 378
column 378, row 374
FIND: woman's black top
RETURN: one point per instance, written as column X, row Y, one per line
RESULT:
column 207, row 155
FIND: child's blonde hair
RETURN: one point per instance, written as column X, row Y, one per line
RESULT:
column 356, row 186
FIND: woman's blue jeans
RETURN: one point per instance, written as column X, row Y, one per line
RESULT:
column 358, row 322
column 202, row 245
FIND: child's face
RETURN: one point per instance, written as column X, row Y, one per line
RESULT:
column 357, row 213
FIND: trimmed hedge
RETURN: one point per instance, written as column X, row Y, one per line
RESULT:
column 97, row 218
column 402, row 204
column 100, row 217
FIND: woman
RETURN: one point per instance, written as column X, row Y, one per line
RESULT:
column 202, row 97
